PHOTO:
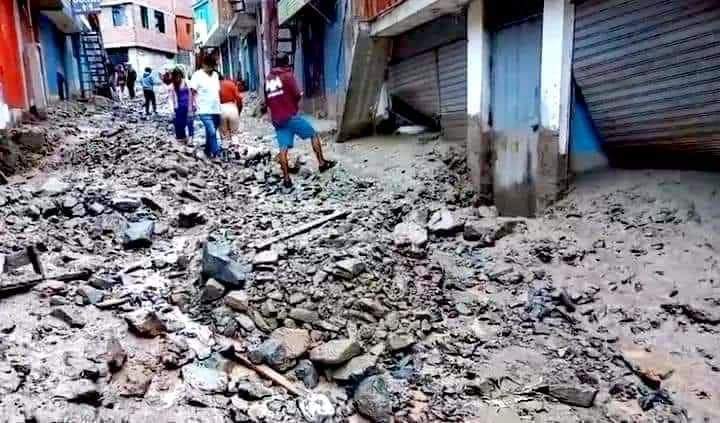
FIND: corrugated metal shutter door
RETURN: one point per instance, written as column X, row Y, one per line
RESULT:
column 650, row 72
column 452, row 70
column 415, row 80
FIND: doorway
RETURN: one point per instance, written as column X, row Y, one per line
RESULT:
column 515, row 113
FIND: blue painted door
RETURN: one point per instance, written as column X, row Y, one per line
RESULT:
column 515, row 114
column 516, row 75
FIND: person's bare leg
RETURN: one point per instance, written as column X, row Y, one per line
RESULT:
column 284, row 166
column 317, row 148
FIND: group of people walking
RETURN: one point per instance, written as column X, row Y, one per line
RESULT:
column 122, row 76
column 217, row 103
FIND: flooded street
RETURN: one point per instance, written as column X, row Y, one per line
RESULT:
column 172, row 288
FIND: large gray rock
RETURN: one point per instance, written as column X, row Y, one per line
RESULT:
column 96, row 209
column 316, row 408
column 213, row 290
column 145, row 323
column 410, row 234
column 90, row 295
column 190, row 216
column 80, row 391
column 68, row 315
column 273, row 353
column 238, row 300
column 218, row 265
column 304, row 315
column 32, row 138
column 245, row 322
column 335, row 352
column 115, row 355
column 266, row 257
column 296, row 341
column 45, row 206
column 176, row 352
column 356, row 369
column 54, row 186
column 282, row 349
column 400, row 342
column 445, row 222
column 306, row 372
column 373, row 401
column 10, row 380
column 577, row 395
column 487, row 231
column 349, row 268
column 252, row 390
column 488, row 211
column 134, row 381
column 126, row 203
column 206, row 379
column 69, row 203
column 138, row 234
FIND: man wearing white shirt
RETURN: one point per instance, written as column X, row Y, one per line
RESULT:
column 205, row 84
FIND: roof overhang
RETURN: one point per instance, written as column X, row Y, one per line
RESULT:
column 410, row 14
column 242, row 23
column 65, row 20
column 217, row 35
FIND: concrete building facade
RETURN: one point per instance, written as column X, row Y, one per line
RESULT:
column 496, row 76
column 185, row 32
column 142, row 32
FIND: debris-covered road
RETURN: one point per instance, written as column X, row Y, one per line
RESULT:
column 180, row 289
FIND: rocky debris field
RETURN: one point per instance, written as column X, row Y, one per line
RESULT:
column 141, row 282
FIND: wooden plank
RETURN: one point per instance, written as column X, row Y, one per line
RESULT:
column 299, row 230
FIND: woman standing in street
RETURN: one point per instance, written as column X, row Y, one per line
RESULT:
column 205, row 84
column 120, row 81
column 182, row 104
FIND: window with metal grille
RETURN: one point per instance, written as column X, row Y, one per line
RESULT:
column 160, row 21
column 144, row 17
column 118, row 15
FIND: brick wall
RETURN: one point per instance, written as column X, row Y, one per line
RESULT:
column 132, row 33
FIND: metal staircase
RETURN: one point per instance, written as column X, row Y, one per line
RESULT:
column 94, row 77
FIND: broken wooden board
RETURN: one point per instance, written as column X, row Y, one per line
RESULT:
column 10, row 262
column 260, row 245
column 23, row 286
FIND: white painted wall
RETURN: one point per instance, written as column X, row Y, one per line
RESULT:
column 4, row 111
column 478, row 59
column 555, row 70
column 141, row 58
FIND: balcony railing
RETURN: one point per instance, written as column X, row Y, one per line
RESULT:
column 372, row 9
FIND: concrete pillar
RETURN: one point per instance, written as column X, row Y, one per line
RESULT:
column 478, row 99
column 555, row 101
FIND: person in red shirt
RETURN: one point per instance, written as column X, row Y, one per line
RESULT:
column 282, row 98
column 230, row 108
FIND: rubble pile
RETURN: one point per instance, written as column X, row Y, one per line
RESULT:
column 209, row 294
column 28, row 145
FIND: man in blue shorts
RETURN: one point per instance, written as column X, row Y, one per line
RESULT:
column 282, row 98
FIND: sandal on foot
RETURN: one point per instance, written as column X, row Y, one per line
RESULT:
column 329, row 164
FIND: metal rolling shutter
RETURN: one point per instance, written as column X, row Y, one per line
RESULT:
column 452, row 73
column 415, row 80
column 650, row 72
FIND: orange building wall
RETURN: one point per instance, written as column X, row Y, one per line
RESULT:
column 11, row 64
column 184, row 37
